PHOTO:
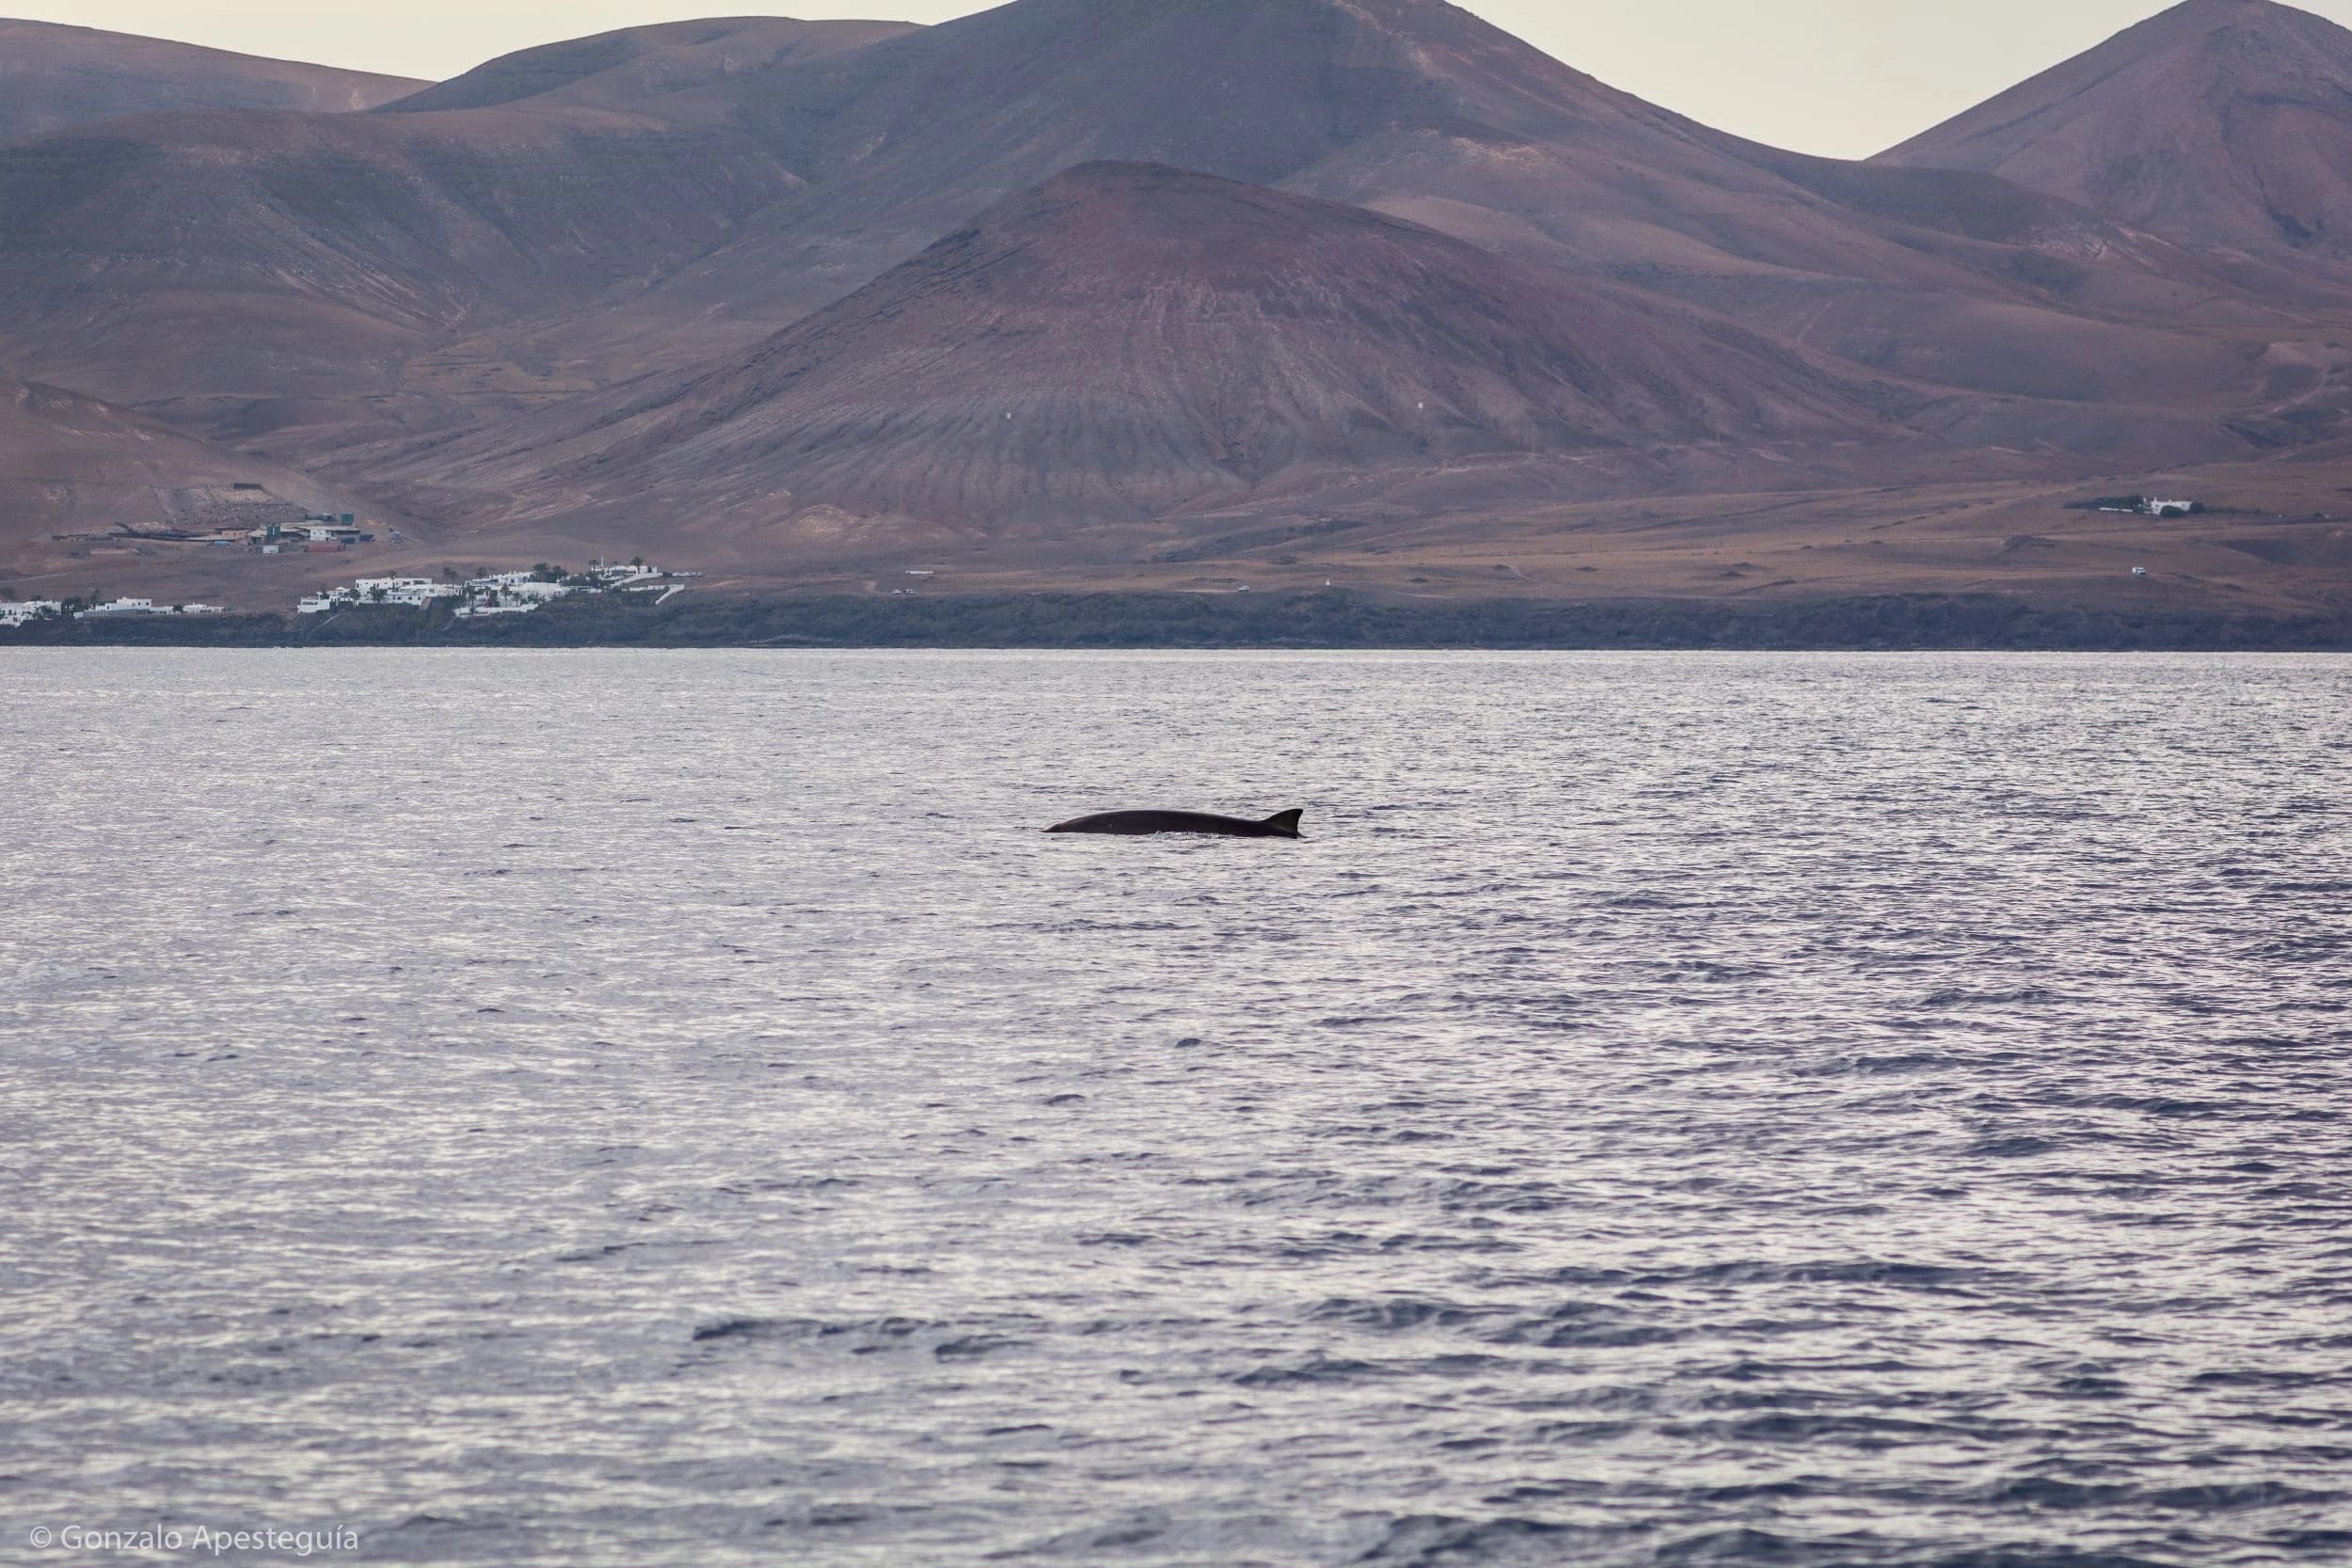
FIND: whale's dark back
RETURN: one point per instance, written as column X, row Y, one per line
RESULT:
column 1282, row 824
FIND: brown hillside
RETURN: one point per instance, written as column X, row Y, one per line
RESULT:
column 53, row 78
column 1134, row 340
column 634, row 65
column 70, row 462
column 1420, row 109
column 2222, row 123
column 240, row 255
column 1405, row 104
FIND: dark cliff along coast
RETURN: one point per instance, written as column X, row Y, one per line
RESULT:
column 1312, row 619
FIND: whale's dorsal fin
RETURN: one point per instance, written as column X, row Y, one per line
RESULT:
column 1285, row 822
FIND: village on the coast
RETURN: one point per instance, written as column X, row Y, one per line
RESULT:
column 500, row 593
column 509, row 593
column 519, row 592
column 247, row 519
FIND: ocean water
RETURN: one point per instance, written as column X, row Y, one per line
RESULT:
column 631, row 1109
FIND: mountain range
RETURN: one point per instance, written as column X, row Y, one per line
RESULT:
column 1096, row 290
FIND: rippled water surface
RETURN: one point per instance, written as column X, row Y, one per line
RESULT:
column 587, row 1109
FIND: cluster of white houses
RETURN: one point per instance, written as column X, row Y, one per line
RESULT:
column 43, row 610
column 506, row 593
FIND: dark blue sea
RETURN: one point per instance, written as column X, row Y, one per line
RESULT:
column 620, row 1110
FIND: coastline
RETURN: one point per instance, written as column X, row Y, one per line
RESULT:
column 1334, row 619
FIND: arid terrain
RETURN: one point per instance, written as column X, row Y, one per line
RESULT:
column 53, row 78
column 1194, row 295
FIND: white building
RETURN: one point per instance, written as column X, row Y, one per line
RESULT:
column 403, row 591
column 32, row 609
column 149, row 607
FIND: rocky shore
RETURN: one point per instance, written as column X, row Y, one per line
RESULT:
column 1306, row 620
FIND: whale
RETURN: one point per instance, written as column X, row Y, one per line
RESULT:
column 1282, row 824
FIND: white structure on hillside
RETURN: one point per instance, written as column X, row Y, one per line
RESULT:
column 403, row 591
column 502, row 594
column 146, row 607
column 32, row 609
column 411, row 592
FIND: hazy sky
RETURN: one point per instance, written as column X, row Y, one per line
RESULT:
column 1845, row 77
